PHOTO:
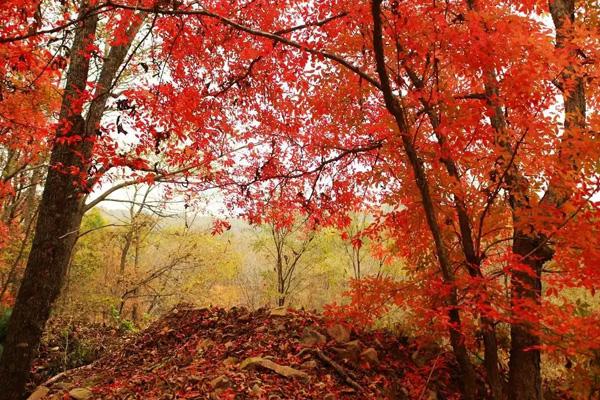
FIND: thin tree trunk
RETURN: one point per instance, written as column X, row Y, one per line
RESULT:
column 495, row 377
column 136, row 260
column 278, row 240
column 12, row 272
column 280, row 282
column 8, row 172
column 30, row 206
column 123, row 265
column 467, row 374
column 125, row 253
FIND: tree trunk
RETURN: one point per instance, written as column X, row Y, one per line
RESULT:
column 59, row 218
column 467, row 374
column 55, row 235
column 61, row 207
column 11, row 278
column 125, row 253
column 30, row 206
column 136, row 260
column 495, row 378
column 280, row 283
column 525, row 379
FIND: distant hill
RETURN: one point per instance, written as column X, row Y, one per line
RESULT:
column 198, row 222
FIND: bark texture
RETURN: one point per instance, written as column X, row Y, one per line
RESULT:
column 55, row 233
column 62, row 205
column 525, row 380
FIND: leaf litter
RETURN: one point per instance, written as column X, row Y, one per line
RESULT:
column 213, row 353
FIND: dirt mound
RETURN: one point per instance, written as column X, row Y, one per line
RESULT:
column 212, row 353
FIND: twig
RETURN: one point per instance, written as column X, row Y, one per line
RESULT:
column 66, row 373
column 339, row 369
column 430, row 375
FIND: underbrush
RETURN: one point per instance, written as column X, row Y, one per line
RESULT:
column 69, row 344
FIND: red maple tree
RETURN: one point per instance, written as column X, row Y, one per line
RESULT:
column 468, row 128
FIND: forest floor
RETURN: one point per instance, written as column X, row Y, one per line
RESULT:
column 212, row 353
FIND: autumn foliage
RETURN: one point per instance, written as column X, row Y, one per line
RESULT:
column 468, row 130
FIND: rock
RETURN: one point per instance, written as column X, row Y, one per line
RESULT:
column 354, row 346
column 245, row 318
column 230, row 361
column 370, row 355
column 397, row 392
column 431, row 395
column 204, row 345
column 278, row 326
column 340, row 333
column 426, row 353
column 282, row 370
column 350, row 352
column 278, row 312
column 417, row 359
column 39, row 393
column 80, row 393
column 220, row 382
column 311, row 337
column 123, row 393
column 62, row 386
column 256, row 390
column 310, row 364
column 183, row 360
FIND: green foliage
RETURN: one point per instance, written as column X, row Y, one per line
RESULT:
column 124, row 325
column 583, row 308
column 93, row 219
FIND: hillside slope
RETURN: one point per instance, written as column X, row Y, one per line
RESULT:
column 212, row 353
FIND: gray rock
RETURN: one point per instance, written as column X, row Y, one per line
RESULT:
column 340, row 333
column 370, row 355
column 311, row 337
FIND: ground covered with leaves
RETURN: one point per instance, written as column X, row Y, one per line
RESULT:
column 212, row 353
column 68, row 344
